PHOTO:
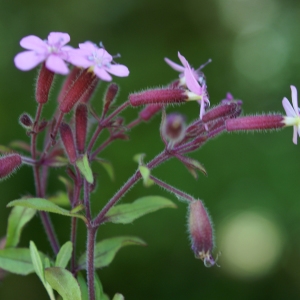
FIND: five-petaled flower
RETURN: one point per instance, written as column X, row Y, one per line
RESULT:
column 292, row 113
column 53, row 51
column 193, row 79
column 97, row 59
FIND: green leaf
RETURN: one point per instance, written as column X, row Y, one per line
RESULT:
column 20, row 145
column 139, row 158
column 38, row 266
column 17, row 219
column 84, row 167
column 83, row 287
column 118, row 297
column 63, row 282
column 127, row 213
column 107, row 166
column 4, row 149
column 106, row 250
column 16, row 260
column 145, row 172
column 64, row 255
column 61, row 198
column 98, row 288
column 44, row 205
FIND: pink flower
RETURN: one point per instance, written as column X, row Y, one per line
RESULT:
column 99, row 60
column 193, row 79
column 53, row 51
column 292, row 113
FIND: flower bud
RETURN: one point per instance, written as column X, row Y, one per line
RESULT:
column 68, row 141
column 43, row 85
column 26, row 121
column 201, row 232
column 76, row 91
column 149, row 111
column 255, row 122
column 159, row 96
column 81, row 118
column 8, row 164
column 173, row 128
column 110, row 96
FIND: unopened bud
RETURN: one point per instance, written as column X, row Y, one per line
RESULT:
column 81, row 118
column 26, row 121
column 43, row 85
column 225, row 110
column 68, row 141
column 110, row 96
column 201, row 232
column 159, row 96
column 261, row 122
column 149, row 111
column 173, row 128
column 76, row 91
column 8, row 164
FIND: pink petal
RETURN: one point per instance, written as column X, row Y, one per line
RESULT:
column 174, row 66
column 28, row 60
column 106, row 57
column 295, row 99
column 191, row 82
column 102, row 74
column 78, row 58
column 58, row 38
column 288, row 108
column 295, row 135
column 89, row 46
column 57, row 65
column 183, row 61
column 33, row 42
column 202, row 109
column 118, row 70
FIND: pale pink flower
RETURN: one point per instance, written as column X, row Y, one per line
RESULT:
column 98, row 59
column 53, row 51
column 292, row 113
column 193, row 79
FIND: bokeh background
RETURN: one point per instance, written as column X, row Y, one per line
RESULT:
column 252, row 188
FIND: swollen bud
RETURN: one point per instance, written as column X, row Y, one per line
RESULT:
column 201, row 232
column 173, row 128
column 43, row 85
column 81, row 118
column 26, row 121
column 68, row 141
column 8, row 164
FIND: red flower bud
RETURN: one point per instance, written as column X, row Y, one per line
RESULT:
column 68, row 141
column 149, row 111
column 76, row 91
column 26, row 121
column 255, row 122
column 8, row 164
column 201, row 232
column 159, row 96
column 81, row 118
column 110, row 96
column 43, row 85
column 173, row 128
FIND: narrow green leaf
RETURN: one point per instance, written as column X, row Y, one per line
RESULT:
column 98, row 288
column 20, row 145
column 118, row 297
column 17, row 219
column 16, row 260
column 38, row 266
column 83, row 287
column 44, row 205
column 61, row 198
column 64, row 255
column 63, row 282
column 84, row 167
column 4, row 149
column 107, row 166
column 106, row 250
column 139, row 158
column 77, row 208
column 145, row 172
column 127, row 213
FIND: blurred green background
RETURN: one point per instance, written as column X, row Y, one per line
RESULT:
column 252, row 186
